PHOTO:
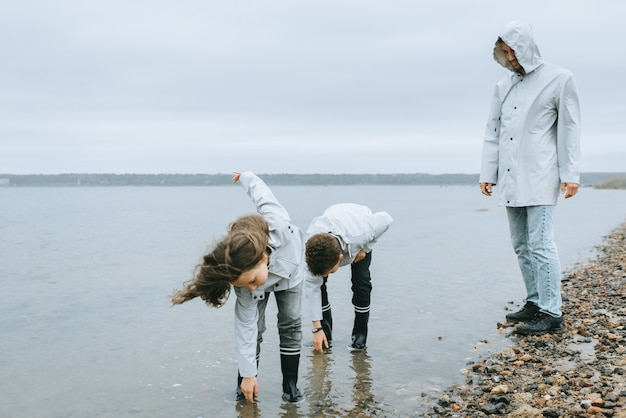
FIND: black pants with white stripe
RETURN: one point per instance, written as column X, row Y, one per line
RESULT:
column 362, row 284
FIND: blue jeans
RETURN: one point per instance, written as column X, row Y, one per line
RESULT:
column 532, row 236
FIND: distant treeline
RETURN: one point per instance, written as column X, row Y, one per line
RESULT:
column 617, row 182
column 91, row 180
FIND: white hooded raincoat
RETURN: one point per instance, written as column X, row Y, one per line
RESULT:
column 532, row 137
column 285, row 269
column 357, row 228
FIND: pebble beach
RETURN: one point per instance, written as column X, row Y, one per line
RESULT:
column 576, row 372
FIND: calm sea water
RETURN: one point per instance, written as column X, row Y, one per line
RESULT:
column 86, row 328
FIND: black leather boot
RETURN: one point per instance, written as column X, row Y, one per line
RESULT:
column 528, row 312
column 359, row 331
column 542, row 324
column 289, row 365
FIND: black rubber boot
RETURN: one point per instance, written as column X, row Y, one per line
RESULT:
column 327, row 315
column 327, row 326
column 359, row 331
column 239, row 393
column 289, row 366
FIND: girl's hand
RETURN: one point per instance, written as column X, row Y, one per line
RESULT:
column 249, row 388
column 237, row 175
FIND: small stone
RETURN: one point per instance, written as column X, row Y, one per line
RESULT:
column 500, row 389
column 439, row 409
column 444, row 401
column 489, row 409
column 500, row 399
column 521, row 398
column 526, row 411
column 508, row 353
column 554, row 390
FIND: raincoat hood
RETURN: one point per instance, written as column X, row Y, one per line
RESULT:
column 519, row 36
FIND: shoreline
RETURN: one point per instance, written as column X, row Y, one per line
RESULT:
column 577, row 372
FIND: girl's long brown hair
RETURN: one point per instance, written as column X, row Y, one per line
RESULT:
column 241, row 249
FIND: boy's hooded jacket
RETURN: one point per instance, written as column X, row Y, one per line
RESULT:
column 356, row 228
column 532, row 137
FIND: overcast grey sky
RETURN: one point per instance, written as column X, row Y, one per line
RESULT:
column 277, row 86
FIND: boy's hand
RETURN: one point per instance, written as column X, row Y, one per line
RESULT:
column 237, row 175
column 359, row 256
column 569, row 189
column 319, row 342
column 249, row 388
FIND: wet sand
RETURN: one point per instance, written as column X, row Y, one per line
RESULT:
column 578, row 372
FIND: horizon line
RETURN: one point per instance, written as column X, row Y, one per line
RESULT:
column 282, row 173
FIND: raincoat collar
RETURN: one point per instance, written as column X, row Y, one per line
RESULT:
column 519, row 36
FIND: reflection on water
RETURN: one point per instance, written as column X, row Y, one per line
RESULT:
column 362, row 396
column 246, row 409
column 324, row 401
column 351, row 396
column 320, row 385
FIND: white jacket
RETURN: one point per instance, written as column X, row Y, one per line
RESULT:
column 532, row 137
column 286, row 269
column 356, row 228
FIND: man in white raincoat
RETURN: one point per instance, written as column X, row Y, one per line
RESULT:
column 531, row 151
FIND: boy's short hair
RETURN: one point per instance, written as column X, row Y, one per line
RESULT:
column 322, row 253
